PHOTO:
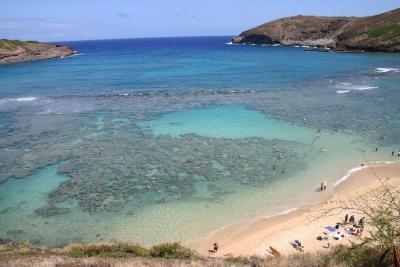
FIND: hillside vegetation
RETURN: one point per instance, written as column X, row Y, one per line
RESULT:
column 379, row 33
column 173, row 254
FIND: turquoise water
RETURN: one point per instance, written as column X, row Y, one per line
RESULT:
column 169, row 139
column 228, row 122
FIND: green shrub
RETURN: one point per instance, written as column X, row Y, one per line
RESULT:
column 171, row 251
column 358, row 255
column 387, row 31
column 17, row 245
column 11, row 44
column 249, row 261
column 109, row 250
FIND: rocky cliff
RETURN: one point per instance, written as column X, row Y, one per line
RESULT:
column 379, row 33
column 14, row 51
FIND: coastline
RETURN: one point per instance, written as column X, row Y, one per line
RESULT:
column 253, row 236
column 16, row 51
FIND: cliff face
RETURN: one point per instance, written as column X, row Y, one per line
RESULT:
column 14, row 51
column 380, row 33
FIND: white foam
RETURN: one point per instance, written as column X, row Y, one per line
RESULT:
column 362, row 88
column 20, row 99
column 356, row 169
column 221, row 228
column 230, row 43
column 384, row 70
column 348, row 174
column 24, row 99
column 346, row 87
column 288, row 211
column 285, row 212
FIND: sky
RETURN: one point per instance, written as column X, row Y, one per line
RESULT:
column 52, row 20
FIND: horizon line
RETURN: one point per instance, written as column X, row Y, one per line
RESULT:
column 128, row 38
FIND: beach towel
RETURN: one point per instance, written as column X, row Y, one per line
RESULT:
column 330, row 229
column 275, row 252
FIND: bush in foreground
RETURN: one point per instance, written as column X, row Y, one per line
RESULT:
column 109, row 250
column 166, row 250
column 340, row 256
column 171, row 251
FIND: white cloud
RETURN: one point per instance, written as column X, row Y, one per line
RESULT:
column 44, row 29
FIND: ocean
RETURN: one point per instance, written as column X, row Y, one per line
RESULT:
column 170, row 139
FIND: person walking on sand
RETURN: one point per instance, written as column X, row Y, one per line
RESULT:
column 216, row 247
column 346, row 218
column 324, row 185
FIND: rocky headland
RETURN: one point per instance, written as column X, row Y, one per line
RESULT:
column 15, row 51
column 379, row 33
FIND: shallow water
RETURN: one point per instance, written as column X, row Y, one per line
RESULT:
column 170, row 139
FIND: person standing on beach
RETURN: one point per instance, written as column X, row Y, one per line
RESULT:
column 352, row 219
column 346, row 218
column 324, row 185
column 216, row 247
column 398, row 154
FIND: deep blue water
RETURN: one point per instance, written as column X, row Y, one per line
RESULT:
column 196, row 63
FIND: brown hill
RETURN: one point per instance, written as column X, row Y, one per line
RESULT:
column 14, row 51
column 379, row 33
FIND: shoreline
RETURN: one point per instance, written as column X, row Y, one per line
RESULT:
column 254, row 236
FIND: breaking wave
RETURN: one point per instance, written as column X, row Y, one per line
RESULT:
column 347, row 87
column 385, row 70
column 20, row 99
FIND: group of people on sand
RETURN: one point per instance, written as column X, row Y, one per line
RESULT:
column 355, row 229
column 352, row 220
column 398, row 153
column 297, row 245
column 337, row 234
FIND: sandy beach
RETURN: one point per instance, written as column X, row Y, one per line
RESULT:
column 254, row 237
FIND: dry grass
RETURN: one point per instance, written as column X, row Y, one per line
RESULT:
column 124, row 254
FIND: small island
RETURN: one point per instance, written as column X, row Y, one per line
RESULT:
column 379, row 33
column 15, row 51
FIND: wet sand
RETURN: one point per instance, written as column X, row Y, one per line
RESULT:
column 254, row 236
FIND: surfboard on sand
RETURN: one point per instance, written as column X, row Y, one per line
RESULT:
column 274, row 251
